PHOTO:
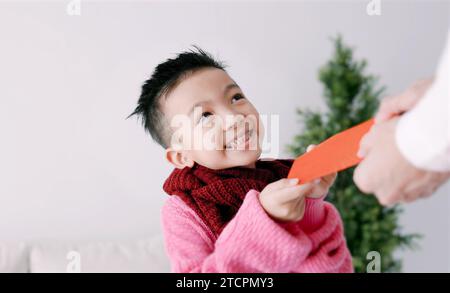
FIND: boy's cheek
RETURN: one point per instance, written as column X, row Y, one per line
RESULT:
column 207, row 142
column 210, row 159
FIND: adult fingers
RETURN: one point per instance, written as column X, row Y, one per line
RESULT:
column 365, row 144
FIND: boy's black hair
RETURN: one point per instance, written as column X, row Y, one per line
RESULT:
column 164, row 78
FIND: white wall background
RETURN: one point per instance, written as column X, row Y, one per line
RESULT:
column 72, row 167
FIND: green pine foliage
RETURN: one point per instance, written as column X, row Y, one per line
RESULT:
column 352, row 97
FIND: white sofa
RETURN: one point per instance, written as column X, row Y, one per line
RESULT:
column 142, row 256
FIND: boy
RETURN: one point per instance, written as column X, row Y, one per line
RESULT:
column 230, row 211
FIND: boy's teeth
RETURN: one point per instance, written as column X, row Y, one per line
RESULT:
column 237, row 141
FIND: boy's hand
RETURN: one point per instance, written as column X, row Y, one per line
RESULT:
column 284, row 199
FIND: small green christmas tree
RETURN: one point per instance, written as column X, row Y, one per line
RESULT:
column 352, row 97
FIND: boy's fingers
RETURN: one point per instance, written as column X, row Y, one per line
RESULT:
column 310, row 147
column 295, row 192
column 282, row 183
column 300, row 205
column 329, row 179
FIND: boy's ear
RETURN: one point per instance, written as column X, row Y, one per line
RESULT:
column 178, row 158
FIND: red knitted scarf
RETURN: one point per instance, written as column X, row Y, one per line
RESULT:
column 216, row 195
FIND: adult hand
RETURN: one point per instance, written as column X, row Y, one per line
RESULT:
column 387, row 174
column 397, row 104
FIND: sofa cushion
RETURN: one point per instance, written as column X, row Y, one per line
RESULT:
column 13, row 258
column 110, row 257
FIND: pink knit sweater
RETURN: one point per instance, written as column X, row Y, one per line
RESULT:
column 253, row 242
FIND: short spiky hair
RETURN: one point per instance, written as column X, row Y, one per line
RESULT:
column 164, row 78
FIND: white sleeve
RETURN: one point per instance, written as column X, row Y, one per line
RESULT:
column 423, row 133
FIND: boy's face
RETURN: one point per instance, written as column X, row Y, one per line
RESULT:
column 214, row 124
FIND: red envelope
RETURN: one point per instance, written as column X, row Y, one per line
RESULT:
column 334, row 154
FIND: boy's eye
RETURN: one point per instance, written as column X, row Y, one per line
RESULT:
column 237, row 97
column 204, row 117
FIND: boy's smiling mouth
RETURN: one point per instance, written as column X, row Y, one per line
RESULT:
column 240, row 141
